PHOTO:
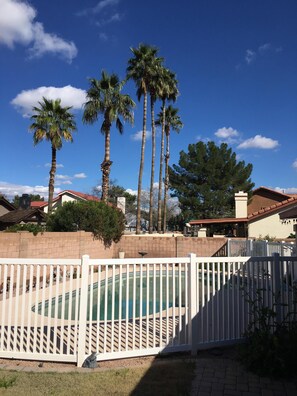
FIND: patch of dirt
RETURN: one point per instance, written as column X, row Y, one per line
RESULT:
column 107, row 364
column 218, row 353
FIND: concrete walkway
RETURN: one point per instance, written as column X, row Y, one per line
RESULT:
column 219, row 373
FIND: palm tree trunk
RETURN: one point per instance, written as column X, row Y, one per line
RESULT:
column 166, row 184
column 51, row 184
column 105, row 168
column 151, row 210
column 159, row 221
column 138, row 216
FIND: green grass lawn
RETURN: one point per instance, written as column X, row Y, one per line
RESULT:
column 164, row 378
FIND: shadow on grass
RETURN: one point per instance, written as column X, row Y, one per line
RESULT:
column 167, row 376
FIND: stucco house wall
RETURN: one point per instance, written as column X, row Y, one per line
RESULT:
column 59, row 202
column 272, row 226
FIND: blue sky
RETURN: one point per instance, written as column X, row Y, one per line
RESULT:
column 235, row 60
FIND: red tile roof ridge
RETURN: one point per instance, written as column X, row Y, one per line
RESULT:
column 88, row 197
column 272, row 207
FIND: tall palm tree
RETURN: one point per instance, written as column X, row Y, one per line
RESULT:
column 104, row 97
column 168, row 92
column 53, row 123
column 141, row 68
column 172, row 121
column 155, row 86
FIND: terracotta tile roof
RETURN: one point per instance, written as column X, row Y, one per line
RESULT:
column 273, row 208
column 253, row 216
column 38, row 204
column 87, row 197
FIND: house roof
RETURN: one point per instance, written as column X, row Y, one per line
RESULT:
column 269, row 210
column 4, row 202
column 37, row 204
column 290, row 213
column 224, row 220
column 287, row 203
column 269, row 190
column 87, row 197
column 18, row 215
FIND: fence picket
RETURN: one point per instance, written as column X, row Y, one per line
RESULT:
column 144, row 306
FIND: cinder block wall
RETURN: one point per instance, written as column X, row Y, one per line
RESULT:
column 75, row 244
column 52, row 245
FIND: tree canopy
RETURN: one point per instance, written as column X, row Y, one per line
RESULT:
column 105, row 222
column 104, row 98
column 33, row 197
column 54, row 123
column 206, row 178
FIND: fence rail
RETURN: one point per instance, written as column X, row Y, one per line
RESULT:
column 249, row 247
column 64, row 310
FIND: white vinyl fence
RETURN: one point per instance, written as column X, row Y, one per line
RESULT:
column 64, row 310
column 249, row 247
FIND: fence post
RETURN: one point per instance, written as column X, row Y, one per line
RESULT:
column 193, row 309
column 229, row 247
column 277, row 286
column 250, row 247
column 81, row 347
column 266, row 252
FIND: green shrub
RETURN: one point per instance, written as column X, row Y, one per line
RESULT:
column 34, row 228
column 107, row 223
column 270, row 347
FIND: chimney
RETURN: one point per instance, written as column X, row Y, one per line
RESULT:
column 121, row 204
column 25, row 201
column 241, row 199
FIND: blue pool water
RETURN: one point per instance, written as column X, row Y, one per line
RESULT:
column 148, row 304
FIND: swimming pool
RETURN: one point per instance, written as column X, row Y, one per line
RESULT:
column 165, row 289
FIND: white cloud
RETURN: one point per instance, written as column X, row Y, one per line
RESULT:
column 203, row 139
column 226, row 133
column 51, row 43
column 98, row 188
column 289, row 190
column 17, row 26
column 260, row 142
column 294, row 165
column 265, row 47
column 132, row 192
column 113, row 18
column 68, row 182
column 138, row 135
column 62, row 177
column 10, row 190
column 69, row 96
column 16, row 22
column 80, row 175
column 103, row 36
column 103, row 4
column 98, row 7
column 250, row 56
column 48, row 165
column 66, row 179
